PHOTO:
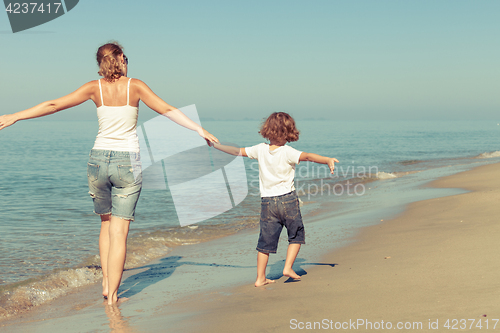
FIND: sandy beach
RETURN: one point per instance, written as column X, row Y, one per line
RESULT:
column 432, row 267
column 402, row 235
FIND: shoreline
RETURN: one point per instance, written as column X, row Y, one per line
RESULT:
column 144, row 312
column 429, row 265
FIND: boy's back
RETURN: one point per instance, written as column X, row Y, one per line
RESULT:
column 276, row 168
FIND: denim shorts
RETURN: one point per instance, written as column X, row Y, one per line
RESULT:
column 276, row 212
column 115, row 182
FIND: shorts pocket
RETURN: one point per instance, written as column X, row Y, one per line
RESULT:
column 130, row 174
column 92, row 172
column 291, row 208
column 264, row 211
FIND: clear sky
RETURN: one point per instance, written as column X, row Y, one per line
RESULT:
column 364, row 59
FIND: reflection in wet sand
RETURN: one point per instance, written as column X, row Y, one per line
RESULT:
column 117, row 323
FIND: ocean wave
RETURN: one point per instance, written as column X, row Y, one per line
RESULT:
column 28, row 294
column 392, row 175
column 386, row 175
column 489, row 154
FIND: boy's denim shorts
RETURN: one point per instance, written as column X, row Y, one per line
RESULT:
column 115, row 182
column 276, row 212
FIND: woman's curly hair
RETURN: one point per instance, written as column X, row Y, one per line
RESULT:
column 110, row 67
column 279, row 126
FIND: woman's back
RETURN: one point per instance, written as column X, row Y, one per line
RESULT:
column 117, row 117
column 115, row 93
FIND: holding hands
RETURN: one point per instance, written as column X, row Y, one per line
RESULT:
column 211, row 139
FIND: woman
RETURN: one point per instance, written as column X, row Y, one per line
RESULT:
column 114, row 165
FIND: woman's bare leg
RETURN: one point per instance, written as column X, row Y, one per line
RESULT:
column 104, row 251
column 118, row 232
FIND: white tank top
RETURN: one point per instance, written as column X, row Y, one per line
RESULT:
column 117, row 126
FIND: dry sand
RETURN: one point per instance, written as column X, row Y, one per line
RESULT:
column 436, row 262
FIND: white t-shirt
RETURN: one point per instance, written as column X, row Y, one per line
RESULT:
column 276, row 168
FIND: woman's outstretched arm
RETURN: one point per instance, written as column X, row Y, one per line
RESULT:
column 157, row 104
column 77, row 97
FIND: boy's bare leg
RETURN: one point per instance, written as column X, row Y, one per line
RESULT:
column 291, row 254
column 262, row 259
column 104, row 251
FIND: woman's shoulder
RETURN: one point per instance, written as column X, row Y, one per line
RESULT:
column 136, row 83
column 134, row 80
column 91, row 85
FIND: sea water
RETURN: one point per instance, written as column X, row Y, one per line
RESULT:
column 49, row 234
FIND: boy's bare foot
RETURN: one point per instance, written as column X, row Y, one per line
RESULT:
column 291, row 274
column 263, row 283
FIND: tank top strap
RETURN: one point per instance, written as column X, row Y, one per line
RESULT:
column 128, row 92
column 100, row 90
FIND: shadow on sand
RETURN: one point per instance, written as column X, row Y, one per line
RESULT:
column 276, row 269
column 154, row 273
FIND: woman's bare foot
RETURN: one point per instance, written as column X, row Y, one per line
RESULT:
column 291, row 274
column 116, row 300
column 263, row 283
column 119, row 301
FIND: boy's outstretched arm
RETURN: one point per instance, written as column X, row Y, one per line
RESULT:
column 230, row 149
column 330, row 161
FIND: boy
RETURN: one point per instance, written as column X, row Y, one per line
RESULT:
column 279, row 201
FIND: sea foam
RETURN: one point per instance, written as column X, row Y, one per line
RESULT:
column 28, row 295
column 385, row 175
column 489, row 155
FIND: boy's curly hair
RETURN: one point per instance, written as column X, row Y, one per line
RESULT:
column 279, row 126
